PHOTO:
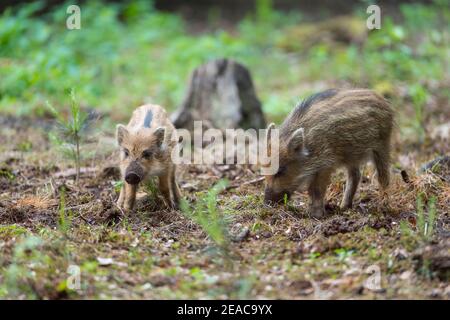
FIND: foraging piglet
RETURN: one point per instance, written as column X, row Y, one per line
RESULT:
column 146, row 145
column 331, row 129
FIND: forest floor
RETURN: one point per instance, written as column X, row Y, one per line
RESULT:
column 378, row 250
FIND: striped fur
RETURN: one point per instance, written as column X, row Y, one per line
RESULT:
column 342, row 128
column 305, row 104
column 146, row 144
column 148, row 119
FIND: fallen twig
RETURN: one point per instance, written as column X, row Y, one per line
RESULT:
column 234, row 186
column 72, row 172
column 117, row 206
column 53, row 187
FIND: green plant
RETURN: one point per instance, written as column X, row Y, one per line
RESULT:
column 423, row 229
column 285, row 199
column 152, row 188
column 419, row 96
column 209, row 217
column 65, row 215
column 25, row 146
column 18, row 275
column 244, row 287
column 426, row 222
column 314, row 255
column 343, row 254
column 12, row 230
column 117, row 186
column 7, row 173
column 71, row 131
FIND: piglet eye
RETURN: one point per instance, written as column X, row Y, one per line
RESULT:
column 147, row 154
column 126, row 152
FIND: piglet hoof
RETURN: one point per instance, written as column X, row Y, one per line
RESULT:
column 175, row 206
column 120, row 205
column 171, row 205
column 345, row 206
column 127, row 209
column 317, row 212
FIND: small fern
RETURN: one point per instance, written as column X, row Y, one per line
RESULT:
column 209, row 217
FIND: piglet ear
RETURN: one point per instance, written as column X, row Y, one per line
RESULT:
column 121, row 133
column 159, row 135
column 297, row 140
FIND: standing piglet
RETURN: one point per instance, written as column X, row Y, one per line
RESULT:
column 331, row 129
column 146, row 145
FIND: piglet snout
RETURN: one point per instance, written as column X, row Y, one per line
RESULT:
column 134, row 173
column 271, row 197
column 132, row 178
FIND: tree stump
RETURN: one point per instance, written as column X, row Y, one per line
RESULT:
column 221, row 94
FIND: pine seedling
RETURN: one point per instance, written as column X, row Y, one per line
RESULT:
column 71, row 131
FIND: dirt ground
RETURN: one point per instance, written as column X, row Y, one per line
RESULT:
column 374, row 251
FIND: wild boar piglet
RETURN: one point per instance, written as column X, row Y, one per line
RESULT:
column 332, row 129
column 146, row 144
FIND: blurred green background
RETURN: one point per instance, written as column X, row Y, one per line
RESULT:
column 129, row 53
